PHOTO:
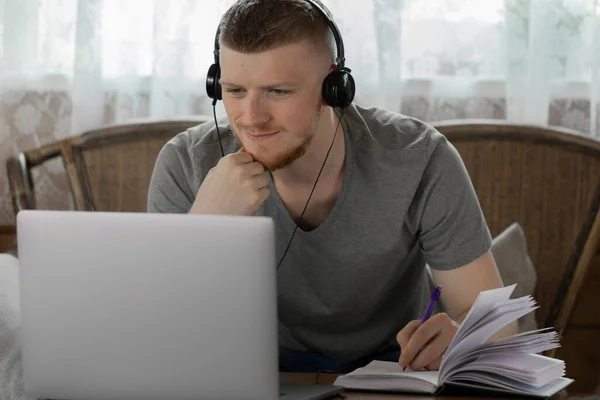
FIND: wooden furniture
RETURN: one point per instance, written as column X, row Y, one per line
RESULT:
column 548, row 180
column 7, row 238
column 108, row 169
column 301, row 378
column 580, row 344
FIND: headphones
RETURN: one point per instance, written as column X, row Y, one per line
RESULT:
column 338, row 87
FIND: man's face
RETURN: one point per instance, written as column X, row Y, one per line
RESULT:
column 273, row 100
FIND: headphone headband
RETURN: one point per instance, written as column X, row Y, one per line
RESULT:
column 340, row 59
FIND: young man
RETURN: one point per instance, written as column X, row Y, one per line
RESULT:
column 392, row 195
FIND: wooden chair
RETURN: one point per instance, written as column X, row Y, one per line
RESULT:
column 547, row 180
column 108, row 169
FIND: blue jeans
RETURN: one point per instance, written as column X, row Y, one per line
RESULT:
column 301, row 361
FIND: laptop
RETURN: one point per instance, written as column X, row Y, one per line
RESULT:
column 153, row 306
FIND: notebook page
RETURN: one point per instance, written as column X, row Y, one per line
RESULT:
column 501, row 308
column 388, row 368
column 546, row 391
column 529, row 369
column 386, row 375
column 517, row 345
column 528, row 363
column 477, row 337
column 483, row 304
column 524, row 348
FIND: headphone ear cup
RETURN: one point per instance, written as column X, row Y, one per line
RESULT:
column 213, row 87
column 339, row 89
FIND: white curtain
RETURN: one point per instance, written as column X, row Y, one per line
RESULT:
column 71, row 65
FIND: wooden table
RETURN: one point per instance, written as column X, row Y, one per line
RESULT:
column 286, row 377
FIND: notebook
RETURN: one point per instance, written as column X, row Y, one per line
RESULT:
column 509, row 365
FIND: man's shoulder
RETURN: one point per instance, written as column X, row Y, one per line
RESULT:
column 197, row 149
column 202, row 137
column 189, row 155
column 396, row 132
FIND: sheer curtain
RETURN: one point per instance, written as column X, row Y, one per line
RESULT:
column 71, row 65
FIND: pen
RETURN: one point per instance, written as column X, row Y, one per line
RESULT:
column 434, row 298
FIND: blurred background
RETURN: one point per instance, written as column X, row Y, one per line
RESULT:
column 71, row 65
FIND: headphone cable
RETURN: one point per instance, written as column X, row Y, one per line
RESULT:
column 217, row 126
column 313, row 189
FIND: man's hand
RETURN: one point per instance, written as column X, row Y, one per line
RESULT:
column 237, row 185
column 422, row 347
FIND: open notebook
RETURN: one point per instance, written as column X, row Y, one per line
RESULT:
column 510, row 365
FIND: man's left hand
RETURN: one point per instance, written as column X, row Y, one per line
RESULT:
column 422, row 346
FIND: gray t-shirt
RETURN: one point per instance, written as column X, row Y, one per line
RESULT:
column 346, row 288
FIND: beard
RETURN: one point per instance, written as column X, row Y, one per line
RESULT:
column 273, row 159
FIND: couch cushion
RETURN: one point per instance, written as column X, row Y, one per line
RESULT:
column 509, row 249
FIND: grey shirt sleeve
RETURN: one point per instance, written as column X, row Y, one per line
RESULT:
column 169, row 190
column 452, row 229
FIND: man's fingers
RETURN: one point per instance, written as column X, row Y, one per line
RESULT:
column 260, row 181
column 414, row 346
column 435, row 365
column 254, row 168
column 241, row 158
column 264, row 194
column 405, row 334
column 431, row 351
column 429, row 342
column 423, row 334
column 418, row 339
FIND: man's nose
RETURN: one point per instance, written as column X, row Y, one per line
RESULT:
column 256, row 112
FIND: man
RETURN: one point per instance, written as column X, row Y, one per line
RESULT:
column 392, row 195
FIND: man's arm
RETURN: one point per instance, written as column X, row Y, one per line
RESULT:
column 462, row 285
column 455, row 242
column 460, row 288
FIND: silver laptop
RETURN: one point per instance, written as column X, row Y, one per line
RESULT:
column 150, row 306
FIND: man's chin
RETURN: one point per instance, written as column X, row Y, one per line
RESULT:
column 271, row 160
column 278, row 161
column 274, row 164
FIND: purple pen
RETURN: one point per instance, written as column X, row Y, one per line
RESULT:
column 434, row 298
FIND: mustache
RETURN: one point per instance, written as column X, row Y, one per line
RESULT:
column 257, row 129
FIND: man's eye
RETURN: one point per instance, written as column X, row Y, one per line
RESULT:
column 234, row 91
column 279, row 92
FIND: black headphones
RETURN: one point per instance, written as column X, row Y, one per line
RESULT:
column 338, row 87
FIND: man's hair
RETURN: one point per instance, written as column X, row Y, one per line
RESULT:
column 252, row 26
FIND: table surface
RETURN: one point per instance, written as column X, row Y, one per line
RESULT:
column 286, row 377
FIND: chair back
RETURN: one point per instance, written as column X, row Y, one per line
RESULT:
column 547, row 180
column 108, row 169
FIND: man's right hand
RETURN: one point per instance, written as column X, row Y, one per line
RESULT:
column 237, row 185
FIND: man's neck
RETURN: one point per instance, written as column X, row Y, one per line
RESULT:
column 305, row 170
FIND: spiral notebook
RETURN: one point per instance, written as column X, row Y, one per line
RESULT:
column 510, row 365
